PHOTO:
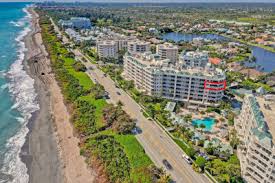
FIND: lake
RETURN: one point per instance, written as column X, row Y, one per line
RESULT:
column 174, row 36
column 264, row 58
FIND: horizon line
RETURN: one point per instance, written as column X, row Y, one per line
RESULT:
column 138, row 2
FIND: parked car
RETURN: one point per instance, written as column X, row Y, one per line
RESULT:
column 118, row 93
column 167, row 164
column 187, row 159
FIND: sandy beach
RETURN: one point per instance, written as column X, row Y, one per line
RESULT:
column 51, row 151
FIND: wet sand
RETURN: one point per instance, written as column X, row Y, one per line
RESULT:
column 51, row 152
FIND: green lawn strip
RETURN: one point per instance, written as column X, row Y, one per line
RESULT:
column 181, row 144
column 99, row 104
column 137, row 157
column 83, row 78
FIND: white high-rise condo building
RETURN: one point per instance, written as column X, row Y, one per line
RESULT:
column 256, row 129
column 138, row 46
column 168, row 51
column 107, row 49
column 159, row 77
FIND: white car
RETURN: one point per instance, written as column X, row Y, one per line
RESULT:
column 187, row 159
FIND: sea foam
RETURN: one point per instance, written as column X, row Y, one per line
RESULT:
column 21, row 87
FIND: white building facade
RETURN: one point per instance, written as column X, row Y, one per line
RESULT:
column 255, row 127
column 157, row 77
column 76, row 22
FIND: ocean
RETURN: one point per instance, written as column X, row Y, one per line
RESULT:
column 17, row 93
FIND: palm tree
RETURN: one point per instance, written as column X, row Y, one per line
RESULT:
column 202, row 126
column 119, row 104
column 100, row 22
column 164, row 179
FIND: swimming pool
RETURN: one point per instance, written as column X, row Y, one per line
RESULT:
column 208, row 122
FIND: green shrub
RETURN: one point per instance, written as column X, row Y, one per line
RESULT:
column 78, row 66
column 107, row 149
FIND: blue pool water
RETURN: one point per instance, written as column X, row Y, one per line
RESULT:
column 17, row 94
column 208, row 122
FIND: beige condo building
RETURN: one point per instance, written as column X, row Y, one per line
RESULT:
column 256, row 129
column 168, row 51
column 158, row 77
column 138, row 46
column 107, row 49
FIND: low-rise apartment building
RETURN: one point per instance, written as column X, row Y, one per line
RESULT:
column 256, row 128
column 76, row 22
column 159, row 77
column 138, row 46
column 107, row 49
column 122, row 40
column 168, row 51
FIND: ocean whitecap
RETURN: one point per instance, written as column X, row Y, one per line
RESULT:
column 21, row 87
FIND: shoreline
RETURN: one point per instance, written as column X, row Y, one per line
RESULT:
column 267, row 48
column 40, row 147
column 51, row 152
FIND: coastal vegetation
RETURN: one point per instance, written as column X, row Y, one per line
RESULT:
column 154, row 109
column 247, row 27
column 153, row 106
column 104, row 129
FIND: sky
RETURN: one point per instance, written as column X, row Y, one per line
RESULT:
column 149, row 1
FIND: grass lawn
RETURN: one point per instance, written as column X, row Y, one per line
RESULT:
column 84, row 79
column 248, row 19
column 181, row 144
column 157, row 107
column 99, row 104
column 138, row 159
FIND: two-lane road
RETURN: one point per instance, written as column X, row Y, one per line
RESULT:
column 157, row 144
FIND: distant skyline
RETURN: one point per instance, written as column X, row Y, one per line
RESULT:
column 151, row 1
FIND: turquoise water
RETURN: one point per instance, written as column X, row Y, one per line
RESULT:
column 208, row 122
column 17, row 95
column 264, row 58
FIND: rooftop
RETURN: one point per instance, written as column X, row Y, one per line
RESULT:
column 215, row 61
column 106, row 42
column 167, row 46
column 267, row 108
column 154, row 62
column 196, row 54
column 139, row 42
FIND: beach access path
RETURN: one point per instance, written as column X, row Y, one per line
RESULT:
column 59, row 160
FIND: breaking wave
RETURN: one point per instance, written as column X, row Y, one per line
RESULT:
column 21, row 87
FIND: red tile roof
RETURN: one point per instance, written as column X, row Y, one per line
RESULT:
column 215, row 61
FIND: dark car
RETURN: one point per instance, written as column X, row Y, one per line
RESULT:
column 167, row 164
column 118, row 93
